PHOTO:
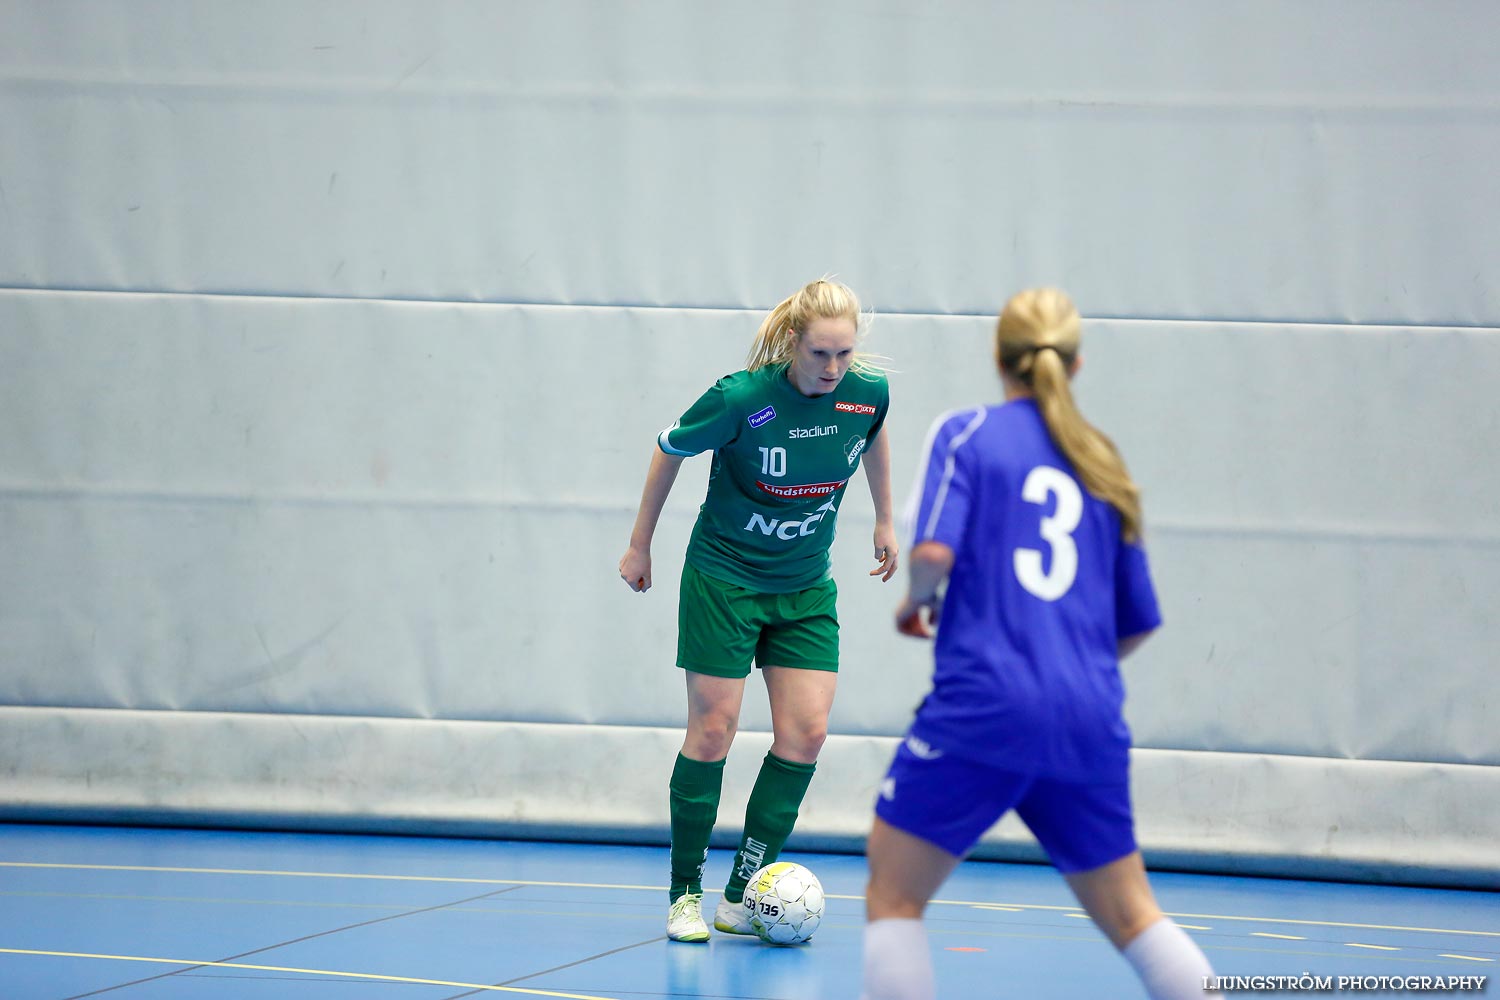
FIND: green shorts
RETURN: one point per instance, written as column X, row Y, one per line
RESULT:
column 721, row 627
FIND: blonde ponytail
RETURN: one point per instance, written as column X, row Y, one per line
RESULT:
column 776, row 340
column 1036, row 342
column 776, row 337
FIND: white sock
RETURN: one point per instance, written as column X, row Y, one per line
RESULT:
column 898, row 965
column 1170, row 964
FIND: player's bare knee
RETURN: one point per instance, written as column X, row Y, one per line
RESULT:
column 806, row 742
column 888, row 902
column 720, row 740
column 711, row 736
column 1123, row 926
column 1134, row 927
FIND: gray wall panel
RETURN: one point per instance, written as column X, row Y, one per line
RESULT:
column 1309, row 163
column 351, row 508
column 1303, row 430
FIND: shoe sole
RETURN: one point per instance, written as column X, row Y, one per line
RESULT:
column 691, row 938
column 730, row 929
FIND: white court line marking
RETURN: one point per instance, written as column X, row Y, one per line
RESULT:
column 1194, row 927
column 999, row 906
column 1467, row 958
column 1281, row 937
column 662, row 888
column 1372, row 947
column 306, row 972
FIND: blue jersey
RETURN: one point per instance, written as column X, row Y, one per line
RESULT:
column 1027, row 672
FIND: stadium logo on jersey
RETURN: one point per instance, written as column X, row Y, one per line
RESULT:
column 852, row 448
column 806, row 490
column 813, row 432
column 788, row 530
column 854, row 407
column 763, row 417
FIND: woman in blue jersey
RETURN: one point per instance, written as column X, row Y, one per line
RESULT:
column 787, row 435
column 1028, row 514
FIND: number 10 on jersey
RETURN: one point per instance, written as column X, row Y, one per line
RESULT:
column 773, row 461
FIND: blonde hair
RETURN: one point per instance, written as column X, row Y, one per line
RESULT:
column 776, row 340
column 1036, row 342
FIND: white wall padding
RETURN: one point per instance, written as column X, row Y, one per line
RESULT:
column 1247, row 813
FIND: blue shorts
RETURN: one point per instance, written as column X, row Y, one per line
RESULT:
column 951, row 802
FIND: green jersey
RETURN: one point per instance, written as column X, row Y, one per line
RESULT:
column 781, row 463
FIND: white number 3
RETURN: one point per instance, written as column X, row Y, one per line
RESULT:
column 1057, row 531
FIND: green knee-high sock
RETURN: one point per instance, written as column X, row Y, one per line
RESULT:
column 694, row 803
column 769, row 819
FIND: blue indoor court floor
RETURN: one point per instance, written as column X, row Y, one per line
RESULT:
column 151, row 914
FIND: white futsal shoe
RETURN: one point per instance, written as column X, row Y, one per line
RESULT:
column 685, row 919
column 732, row 918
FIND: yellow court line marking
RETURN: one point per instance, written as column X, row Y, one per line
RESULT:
column 307, row 972
column 1336, row 923
column 1282, row 937
column 1289, row 951
column 348, row 875
column 1194, row 927
column 1078, row 916
column 661, row 888
column 1373, row 947
column 998, row 906
column 1467, row 958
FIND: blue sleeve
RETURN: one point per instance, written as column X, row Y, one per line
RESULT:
column 938, row 510
column 1135, row 598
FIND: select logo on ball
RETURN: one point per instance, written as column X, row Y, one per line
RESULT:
column 785, row 901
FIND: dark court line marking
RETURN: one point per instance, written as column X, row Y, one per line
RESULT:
column 559, row 968
column 283, row 944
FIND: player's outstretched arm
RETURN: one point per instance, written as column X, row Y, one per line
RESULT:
column 635, row 564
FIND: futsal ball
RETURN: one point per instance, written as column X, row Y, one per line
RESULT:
column 785, row 902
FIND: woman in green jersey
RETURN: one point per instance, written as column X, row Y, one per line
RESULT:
column 786, row 434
